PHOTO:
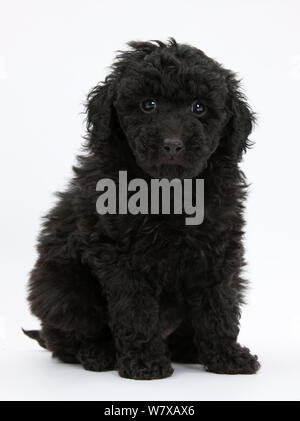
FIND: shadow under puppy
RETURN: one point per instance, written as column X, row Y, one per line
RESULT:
column 135, row 292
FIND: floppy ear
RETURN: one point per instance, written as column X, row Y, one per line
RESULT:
column 99, row 109
column 240, row 122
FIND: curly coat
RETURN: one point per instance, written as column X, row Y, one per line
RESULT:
column 135, row 292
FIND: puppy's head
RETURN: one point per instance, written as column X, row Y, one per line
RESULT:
column 175, row 106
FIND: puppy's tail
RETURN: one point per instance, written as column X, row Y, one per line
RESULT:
column 35, row 334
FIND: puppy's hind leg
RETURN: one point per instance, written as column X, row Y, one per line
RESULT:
column 68, row 300
column 98, row 354
column 63, row 344
column 95, row 354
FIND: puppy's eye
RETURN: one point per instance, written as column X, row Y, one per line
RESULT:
column 148, row 105
column 198, row 108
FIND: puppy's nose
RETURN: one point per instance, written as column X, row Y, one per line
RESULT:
column 173, row 146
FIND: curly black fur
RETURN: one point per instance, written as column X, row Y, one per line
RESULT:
column 135, row 292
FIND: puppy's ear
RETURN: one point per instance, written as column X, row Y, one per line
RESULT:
column 240, row 121
column 99, row 110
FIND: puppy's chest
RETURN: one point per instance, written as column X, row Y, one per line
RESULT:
column 167, row 252
column 171, row 312
column 172, row 262
column 168, row 276
column 177, row 277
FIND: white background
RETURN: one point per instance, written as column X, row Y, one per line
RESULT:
column 52, row 53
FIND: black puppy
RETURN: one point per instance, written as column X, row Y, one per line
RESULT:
column 135, row 292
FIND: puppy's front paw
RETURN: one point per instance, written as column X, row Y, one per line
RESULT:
column 137, row 369
column 234, row 360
